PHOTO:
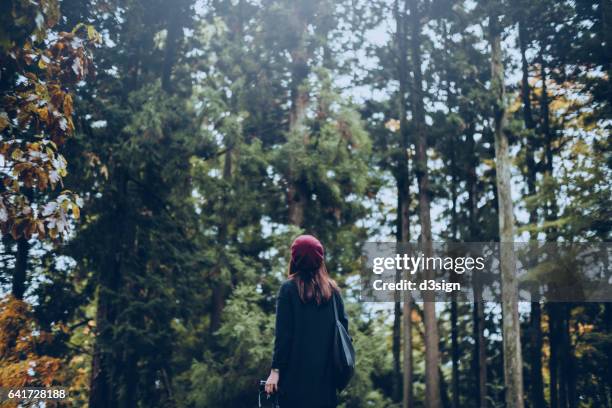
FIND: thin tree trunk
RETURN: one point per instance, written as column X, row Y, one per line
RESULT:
column 554, row 353
column 130, row 380
column 403, row 383
column 479, row 359
column 558, row 376
column 445, row 401
column 296, row 196
column 513, row 367
column 544, row 104
column 451, row 101
column 217, row 303
column 479, row 362
column 607, row 314
column 454, row 313
column 455, row 352
column 432, row 354
column 99, row 386
column 101, row 394
column 396, row 346
column 296, row 201
column 605, row 7
column 173, row 29
column 21, row 267
column 408, row 400
column 566, row 392
column 221, row 288
column 570, row 362
column 536, row 381
column 551, row 206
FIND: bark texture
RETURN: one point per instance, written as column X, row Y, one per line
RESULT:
column 513, row 367
column 432, row 353
column 403, row 379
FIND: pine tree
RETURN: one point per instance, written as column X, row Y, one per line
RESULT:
column 513, row 369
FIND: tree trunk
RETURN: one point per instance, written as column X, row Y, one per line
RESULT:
column 408, row 399
column 559, row 350
column 513, row 368
column 296, row 202
column 554, row 353
column 296, row 196
column 455, row 352
column 173, row 29
column 403, row 384
column 217, row 303
column 569, row 361
column 432, row 354
column 396, row 346
column 454, row 313
column 535, row 338
column 479, row 362
column 99, row 384
column 607, row 315
column 605, row 7
column 564, row 364
column 21, row 268
column 221, row 288
column 536, row 393
column 130, row 380
column 101, row 394
column 551, row 206
column 479, row 358
column 453, row 168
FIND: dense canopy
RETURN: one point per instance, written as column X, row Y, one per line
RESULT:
column 158, row 157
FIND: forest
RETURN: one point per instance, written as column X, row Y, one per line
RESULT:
column 158, row 157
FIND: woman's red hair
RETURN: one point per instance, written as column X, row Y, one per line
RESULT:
column 313, row 284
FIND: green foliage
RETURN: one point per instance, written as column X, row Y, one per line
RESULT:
column 369, row 333
column 201, row 119
column 244, row 341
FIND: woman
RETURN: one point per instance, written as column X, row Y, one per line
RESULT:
column 302, row 362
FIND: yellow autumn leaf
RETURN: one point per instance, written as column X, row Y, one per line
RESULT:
column 67, row 105
column 515, row 105
column 43, row 114
column 76, row 211
column 489, row 162
column 17, row 154
column 92, row 34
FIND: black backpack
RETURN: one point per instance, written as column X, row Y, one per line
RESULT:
column 343, row 353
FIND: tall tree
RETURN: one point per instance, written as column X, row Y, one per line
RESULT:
column 138, row 208
column 513, row 368
column 403, row 204
column 536, row 389
column 432, row 354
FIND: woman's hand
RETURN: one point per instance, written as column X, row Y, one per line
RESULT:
column 272, row 382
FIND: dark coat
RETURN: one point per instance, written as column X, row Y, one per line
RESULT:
column 303, row 349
